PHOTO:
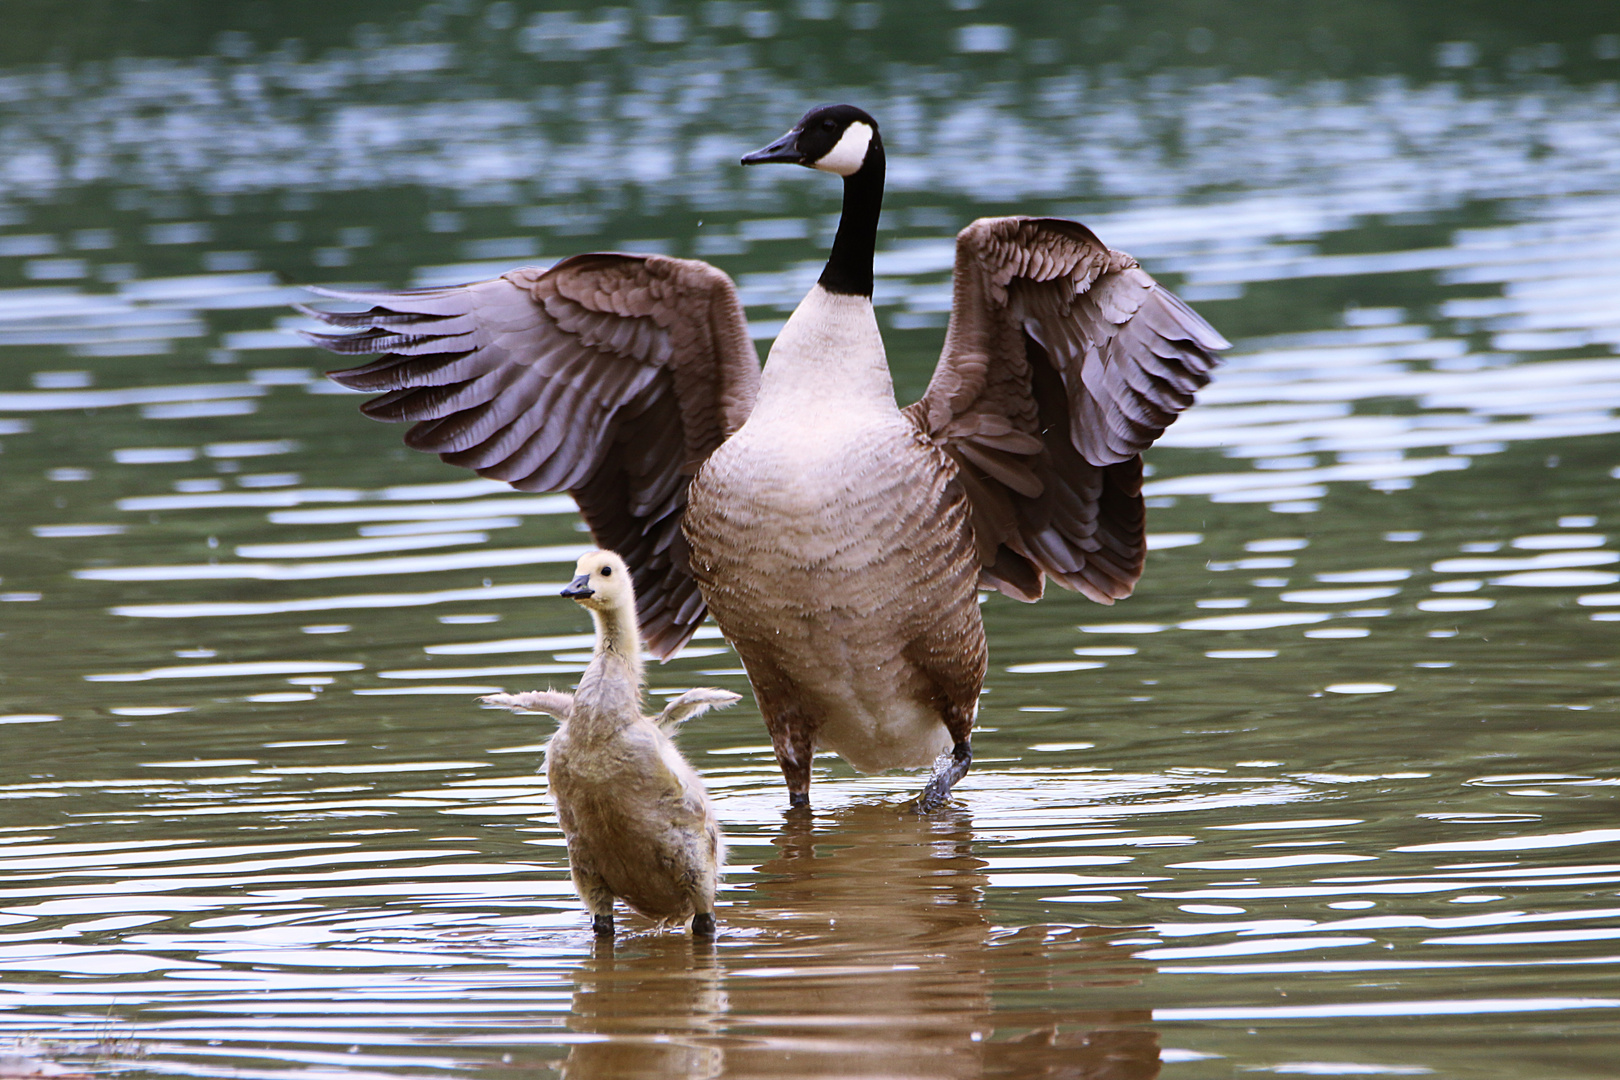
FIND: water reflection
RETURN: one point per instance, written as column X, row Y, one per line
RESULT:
column 884, row 913
column 656, row 1004
column 863, row 948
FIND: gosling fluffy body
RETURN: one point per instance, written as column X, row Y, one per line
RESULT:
column 637, row 817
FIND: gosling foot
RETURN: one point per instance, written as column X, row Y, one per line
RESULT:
column 703, row 924
column 602, row 925
column 948, row 769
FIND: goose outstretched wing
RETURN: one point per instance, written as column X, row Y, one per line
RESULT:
column 1062, row 363
column 611, row 377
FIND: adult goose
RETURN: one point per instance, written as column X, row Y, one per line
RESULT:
column 837, row 539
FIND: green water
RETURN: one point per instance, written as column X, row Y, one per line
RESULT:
column 1328, row 796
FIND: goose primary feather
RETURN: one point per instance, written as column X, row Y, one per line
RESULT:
column 837, row 539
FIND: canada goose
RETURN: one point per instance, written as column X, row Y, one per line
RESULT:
column 837, row 539
column 637, row 817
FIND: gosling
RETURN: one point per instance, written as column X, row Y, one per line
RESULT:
column 637, row 817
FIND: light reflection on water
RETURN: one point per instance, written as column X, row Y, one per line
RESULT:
column 865, row 942
column 1343, row 758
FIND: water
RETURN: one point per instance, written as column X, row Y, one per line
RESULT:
column 1331, row 795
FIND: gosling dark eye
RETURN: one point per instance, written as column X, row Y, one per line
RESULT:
column 607, row 571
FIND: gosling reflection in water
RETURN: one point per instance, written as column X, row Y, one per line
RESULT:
column 661, row 1005
column 863, row 950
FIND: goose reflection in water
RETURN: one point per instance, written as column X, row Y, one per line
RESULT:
column 864, row 951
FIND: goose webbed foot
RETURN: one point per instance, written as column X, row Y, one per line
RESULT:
column 703, row 924
column 602, row 925
column 948, row 769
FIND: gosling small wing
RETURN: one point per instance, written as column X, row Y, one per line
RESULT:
column 553, row 703
column 609, row 376
column 1062, row 363
column 692, row 704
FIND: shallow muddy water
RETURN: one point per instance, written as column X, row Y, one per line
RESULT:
column 1331, row 795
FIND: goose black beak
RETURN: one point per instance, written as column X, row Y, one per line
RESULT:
column 579, row 588
column 786, row 149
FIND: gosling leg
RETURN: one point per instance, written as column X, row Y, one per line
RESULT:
column 948, row 769
column 704, row 880
column 597, row 896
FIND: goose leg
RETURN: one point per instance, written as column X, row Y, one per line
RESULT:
column 948, row 769
column 951, row 659
column 793, row 736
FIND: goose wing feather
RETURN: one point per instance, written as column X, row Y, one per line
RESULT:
column 1062, row 363
column 609, row 376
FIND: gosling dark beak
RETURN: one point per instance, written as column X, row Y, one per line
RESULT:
column 785, row 149
column 579, row 588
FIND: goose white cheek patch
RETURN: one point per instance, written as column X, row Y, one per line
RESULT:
column 849, row 155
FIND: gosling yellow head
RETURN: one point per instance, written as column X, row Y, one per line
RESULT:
column 601, row 583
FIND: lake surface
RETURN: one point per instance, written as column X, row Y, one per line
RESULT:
column 1332, row 795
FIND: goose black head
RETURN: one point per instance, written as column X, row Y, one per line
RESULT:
column 842, row 140
column 838, row 139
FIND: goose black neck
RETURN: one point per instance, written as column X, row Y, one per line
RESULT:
column 849, row 265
